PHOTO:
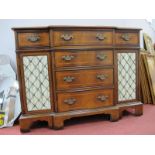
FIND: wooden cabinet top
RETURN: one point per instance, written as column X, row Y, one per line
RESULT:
column 74, row 27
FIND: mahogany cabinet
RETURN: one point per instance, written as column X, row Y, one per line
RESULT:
column 74, row 71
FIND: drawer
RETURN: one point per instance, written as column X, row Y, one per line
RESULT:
column 40, row 39
column 65, row 38
column 127, row 38
column 84, row 78
column 83, row 58
column 84, row 100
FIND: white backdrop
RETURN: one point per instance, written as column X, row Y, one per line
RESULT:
column 7, row 43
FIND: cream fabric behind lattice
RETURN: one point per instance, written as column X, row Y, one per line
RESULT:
column 126, row 76
column 36, row 82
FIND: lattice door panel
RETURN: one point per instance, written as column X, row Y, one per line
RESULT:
column 36, row 82
column 126, row 76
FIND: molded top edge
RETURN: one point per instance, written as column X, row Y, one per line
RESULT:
column 73, row 26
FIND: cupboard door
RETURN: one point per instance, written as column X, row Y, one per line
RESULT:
column 36, row 82
column 127, row 74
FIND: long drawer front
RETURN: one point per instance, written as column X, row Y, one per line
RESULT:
column 83, row 58
column 68, row 37
column 84, row 100
column 84, row 78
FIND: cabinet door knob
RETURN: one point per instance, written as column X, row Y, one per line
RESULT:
column 33, row 38
column 100, row 36
column 101, row 57
column 66, row 37
column 126, row 37
column 102, row 98
column 68, row 57
column 70, row 101
column 101, row 76
column 69, row 79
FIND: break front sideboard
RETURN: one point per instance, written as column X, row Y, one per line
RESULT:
column 74, row 71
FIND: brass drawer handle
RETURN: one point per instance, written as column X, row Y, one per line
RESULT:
column 70, row 101
column 33, row 38
column 66, row 37
column 69, row 79
column 102, row 98
column 100, row 36
column 101, row 77
column 126, row 37
column 68, row 57
column 101, row 57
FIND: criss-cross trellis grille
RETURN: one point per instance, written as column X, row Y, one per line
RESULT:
column 36, row 82
column 126, row 76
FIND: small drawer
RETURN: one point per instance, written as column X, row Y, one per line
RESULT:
column 39, row 39
column 84, row 78
column 84, row 100
column 67, row 38
column 127, row 38
column 83, row 58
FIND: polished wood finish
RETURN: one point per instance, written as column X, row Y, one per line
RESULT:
column 80, row 58
column 65, row 38
column 35, row 39
column 114, row 111
column 82, row 69
column 127, row 38
column 76, row 101
column 26, row 122
column 84, row 78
